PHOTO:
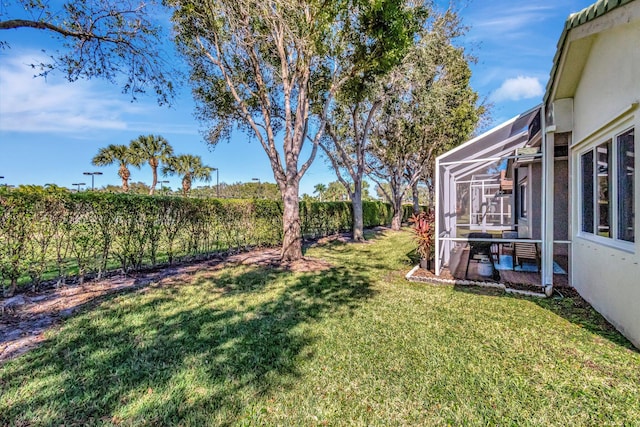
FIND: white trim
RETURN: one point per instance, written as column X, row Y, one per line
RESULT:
column 547, row 209
column 437, row 212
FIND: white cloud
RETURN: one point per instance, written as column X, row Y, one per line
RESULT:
column 515, row 18
column 518, row 88
column 52, row 105
column 506, row 23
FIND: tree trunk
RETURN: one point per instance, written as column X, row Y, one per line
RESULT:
column 12, row 288
column 396, row 221
column 186, row 185
column 125, row 175
column 356, row 206
column 154, row 170
column 416, row 200
column 292, row 236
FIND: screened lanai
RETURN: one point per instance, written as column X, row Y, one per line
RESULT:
column 490, row 202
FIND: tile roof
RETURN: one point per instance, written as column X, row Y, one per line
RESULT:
column 592, row 12
column 574, row 20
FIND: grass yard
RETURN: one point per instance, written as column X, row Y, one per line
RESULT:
column 356, row 344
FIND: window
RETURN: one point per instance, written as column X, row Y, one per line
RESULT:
column 604, row 185
column 522, row 196
column 587, row 192
column 626, row 177
column 607, row 175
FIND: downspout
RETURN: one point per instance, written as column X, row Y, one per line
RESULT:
column 547, row 202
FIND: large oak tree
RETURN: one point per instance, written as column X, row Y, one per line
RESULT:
column 273, row 68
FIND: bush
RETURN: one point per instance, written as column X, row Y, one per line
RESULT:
column 47, row 235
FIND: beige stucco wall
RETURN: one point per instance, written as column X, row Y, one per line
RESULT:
column 607, row 276
column 610, row 80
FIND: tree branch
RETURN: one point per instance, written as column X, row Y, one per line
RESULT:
column 80, row 35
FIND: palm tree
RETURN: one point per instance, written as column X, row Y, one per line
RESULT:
column 190, row 167
column 320, row 189
column 153, row 149
column 116, row 154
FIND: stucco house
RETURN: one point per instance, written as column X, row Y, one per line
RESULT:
column 571, row 167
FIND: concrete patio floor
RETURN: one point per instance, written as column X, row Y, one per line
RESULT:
column 518, row 281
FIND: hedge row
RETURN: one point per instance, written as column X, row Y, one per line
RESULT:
column 60, row 234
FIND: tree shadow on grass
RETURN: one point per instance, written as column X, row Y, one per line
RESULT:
column 201, row 354
column 571, row 307
column 344, row 239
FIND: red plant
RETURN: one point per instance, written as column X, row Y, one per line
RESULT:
column 424, row 229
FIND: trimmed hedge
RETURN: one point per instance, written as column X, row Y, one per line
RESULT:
column 49, row 235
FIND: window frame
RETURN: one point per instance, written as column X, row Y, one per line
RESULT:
column 614, row 159
column 619, row 160
column 523, row 199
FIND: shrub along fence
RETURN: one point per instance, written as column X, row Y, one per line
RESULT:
column 56, row 235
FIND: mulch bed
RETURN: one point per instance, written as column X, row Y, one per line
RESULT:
column 26, row 317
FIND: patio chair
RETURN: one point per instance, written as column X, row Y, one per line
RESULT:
column 508, row 234
column 525, row 250
column 481, row 248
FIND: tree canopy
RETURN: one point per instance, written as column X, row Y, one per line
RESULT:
column 117, row 40
column 116, row 153
column 273, row 68
column 190, row 167
column 151, row 149
column 429, row 107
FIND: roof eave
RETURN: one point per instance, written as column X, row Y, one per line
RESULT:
column 588, row 14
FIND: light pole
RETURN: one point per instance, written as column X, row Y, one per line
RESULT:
column 217, row 183
column 92, row 176
column 78, row 184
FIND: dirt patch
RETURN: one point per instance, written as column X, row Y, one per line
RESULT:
column 428, row 274
column 25, row 318
column 271, row 258
column 346, row 237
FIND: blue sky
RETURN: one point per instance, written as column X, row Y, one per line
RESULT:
column 50, row 129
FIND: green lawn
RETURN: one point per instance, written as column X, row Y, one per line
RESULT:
column 353, row 345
